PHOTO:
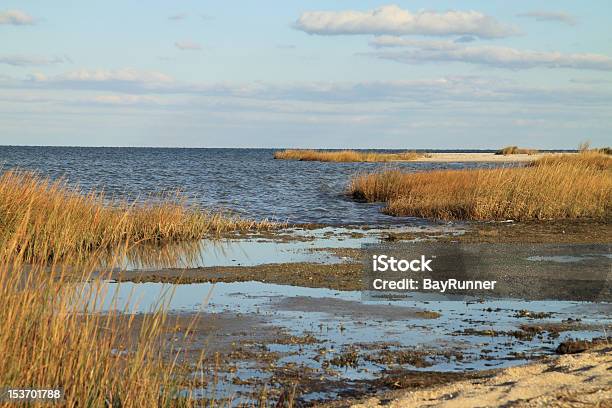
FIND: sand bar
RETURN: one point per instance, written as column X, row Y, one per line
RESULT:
column 478, row 157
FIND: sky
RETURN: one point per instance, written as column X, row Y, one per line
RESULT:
column 317, row 74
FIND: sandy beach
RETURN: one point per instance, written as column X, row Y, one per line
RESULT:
column 478, row 157
column 577, row 380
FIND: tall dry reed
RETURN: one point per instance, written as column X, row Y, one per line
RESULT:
column 56, row 330
column 344, row 156
column 62, row 222
column 54, row 334
column 555, row 187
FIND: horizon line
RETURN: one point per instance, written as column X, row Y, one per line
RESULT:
column 275, row 148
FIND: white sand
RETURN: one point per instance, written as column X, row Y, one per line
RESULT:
column 478, row 157
column 579, row 380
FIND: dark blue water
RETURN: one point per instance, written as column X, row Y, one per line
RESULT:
column 246, row 181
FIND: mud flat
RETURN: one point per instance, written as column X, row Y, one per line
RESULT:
column 297, row 326
column 577, row 380
column 313, row 275
column 331, row 260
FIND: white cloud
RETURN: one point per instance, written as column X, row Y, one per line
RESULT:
column 125, row 80
column 15, row 17
column 501, row 57
column 392, row 19
column 188, row 46
column 25, row 60
column 126, row 74
column 556, row 16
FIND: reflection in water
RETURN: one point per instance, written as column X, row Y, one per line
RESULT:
column 301, row 246
column 172, row 255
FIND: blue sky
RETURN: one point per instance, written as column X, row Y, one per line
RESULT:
column 360, row 74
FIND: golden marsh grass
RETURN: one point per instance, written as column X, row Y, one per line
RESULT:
column 594, row 159
column 55, row 331
column 344, row 156
column 554, row 187
column 62, row 222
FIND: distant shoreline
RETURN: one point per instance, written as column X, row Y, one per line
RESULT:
column 358, row 156
column 477, row 157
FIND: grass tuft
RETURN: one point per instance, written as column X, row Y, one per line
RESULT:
column 604, row 150
column 344, row 156
column 556, row 187
column 515, row 150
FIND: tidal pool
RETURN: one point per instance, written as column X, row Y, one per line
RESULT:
column 450, row 336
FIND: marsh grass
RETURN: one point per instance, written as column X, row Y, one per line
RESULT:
column 593, row 159
column 344, row 156
column 62, row 223
column 515, row 150
column 57, row 327
column 555, row 187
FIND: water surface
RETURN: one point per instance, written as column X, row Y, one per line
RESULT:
column 247, row 181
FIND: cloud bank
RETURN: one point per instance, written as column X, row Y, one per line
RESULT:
column 392, row 19
column 420, row 51
column 149, row 102
column 467, row 89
